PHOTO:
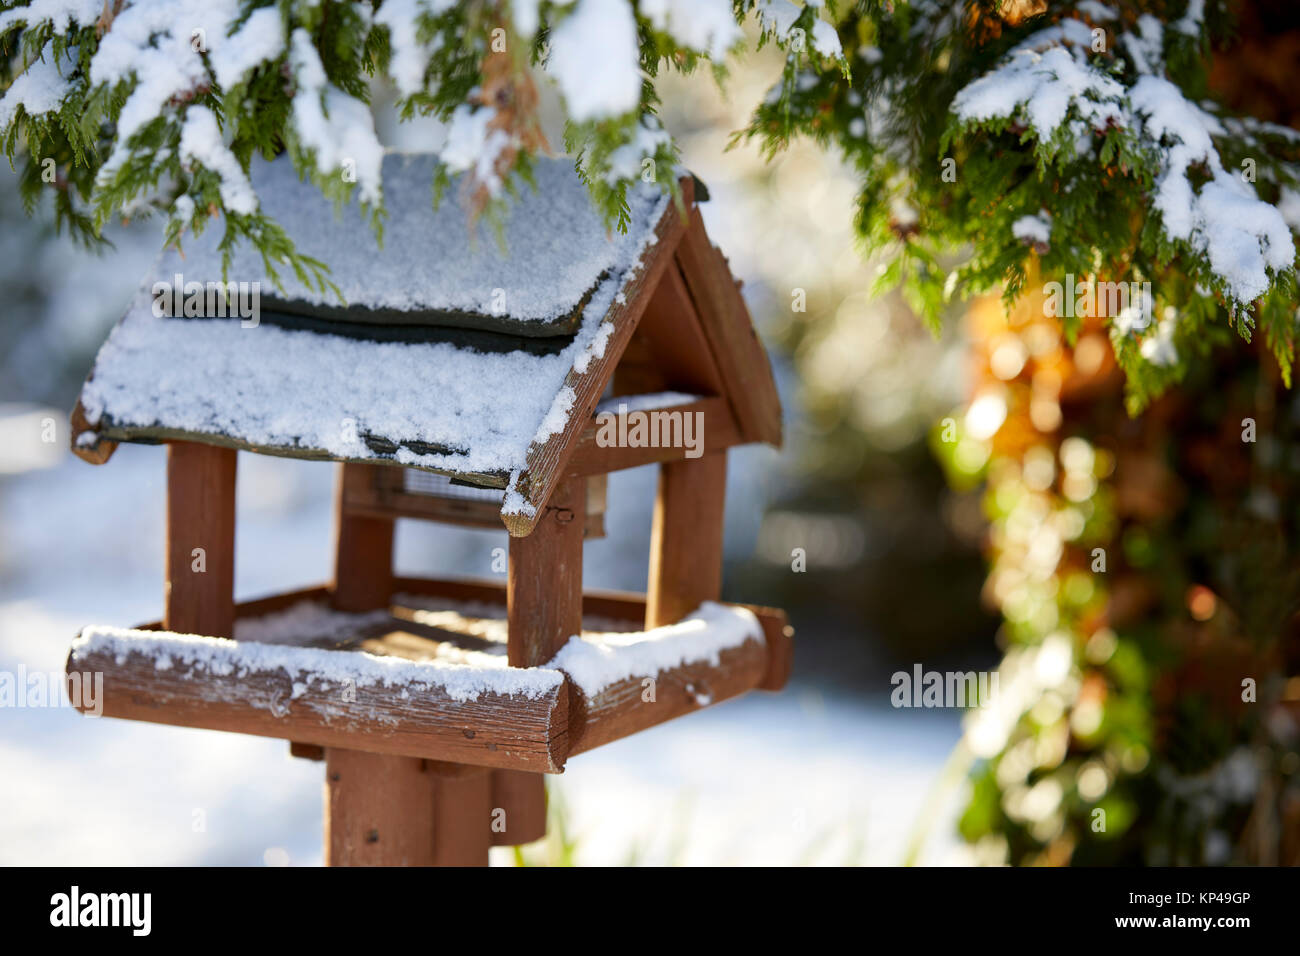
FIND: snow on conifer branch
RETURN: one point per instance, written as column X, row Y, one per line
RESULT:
column 1056, row 86
column 163, row 104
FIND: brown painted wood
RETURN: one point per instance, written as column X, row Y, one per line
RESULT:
column 379, row 810
column 676, row 341
column 306, row 751
column 96, row 452
column 200, row 514
column 686, row 538
column 546, row 463
column 719, row 432
column 363, row 547
column 494, row 730
column 544, row 581
column 724, row 317
column 625, row 708
column 544, row 606
column 636, row 372
column 521, row 800
column 779, row 636
column 462, row 808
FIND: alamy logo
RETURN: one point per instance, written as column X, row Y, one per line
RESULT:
column 103, row 909
column 943, row 688
column 653, row 429
column 40, row 689
column 1091, row 299
column 208, row 300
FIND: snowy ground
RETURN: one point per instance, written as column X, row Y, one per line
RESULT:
column 787, row 778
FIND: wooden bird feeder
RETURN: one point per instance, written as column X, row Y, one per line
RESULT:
column 460, row 384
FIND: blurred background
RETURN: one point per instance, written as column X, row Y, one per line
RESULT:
column 949, row 494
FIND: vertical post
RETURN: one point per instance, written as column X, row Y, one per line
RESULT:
column 520, row 797
column 363, row 546
column 462, row 818
column 379, row 810
column 199, row 595
column 382, row 810
column 686, row 538
column 544, row 581
column 544, row 607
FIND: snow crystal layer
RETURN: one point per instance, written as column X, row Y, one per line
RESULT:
column 556, row 245
column 597, row 661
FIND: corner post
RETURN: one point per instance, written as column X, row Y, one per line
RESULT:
column 544, row 607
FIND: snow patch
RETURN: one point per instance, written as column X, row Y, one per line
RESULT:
column 595, row 60
column 597, row 661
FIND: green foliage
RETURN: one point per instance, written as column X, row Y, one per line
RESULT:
column 476, row 64
column 940, row 194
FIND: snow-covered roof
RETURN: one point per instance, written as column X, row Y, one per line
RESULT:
column 435, row 267
column 444, row 406
column 451, row 354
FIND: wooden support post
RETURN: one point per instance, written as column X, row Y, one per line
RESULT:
column 403, row 811
column 462, row 819
column 386, row 810
column 363, row 547
column 544, row 608
column 686, row 538
column 520, row 797
column 199, row 596
column 544, row 583
column 379, row 810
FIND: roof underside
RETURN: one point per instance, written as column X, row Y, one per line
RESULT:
column 468, row 406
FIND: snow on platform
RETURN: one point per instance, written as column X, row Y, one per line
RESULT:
column 421, row 644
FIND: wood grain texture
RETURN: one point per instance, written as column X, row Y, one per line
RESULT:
column 496, row 730
column 363, row 547
column 686, row 538
column 740, row 356
column 719, row 432
column 545, row 462
column 623, row 708
column 379, row 810
column 199, row 598
column 544, row 583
